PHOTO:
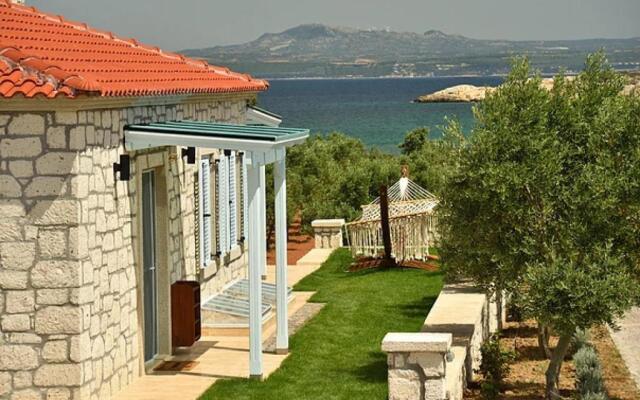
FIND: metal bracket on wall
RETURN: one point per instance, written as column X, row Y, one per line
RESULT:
column 123, row 167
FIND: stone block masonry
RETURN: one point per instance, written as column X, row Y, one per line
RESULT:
column 328, row 233
column 437, row 363
column 69, row 291
column 417, row 365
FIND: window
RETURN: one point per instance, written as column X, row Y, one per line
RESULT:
column 222, row 205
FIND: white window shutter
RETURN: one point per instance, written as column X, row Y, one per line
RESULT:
column 205, row 212
column 233, row 202
column 245, row 202
column 223, row 204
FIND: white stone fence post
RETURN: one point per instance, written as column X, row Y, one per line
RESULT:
column 417, row 363
column 328, row 233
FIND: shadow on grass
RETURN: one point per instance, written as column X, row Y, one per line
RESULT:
column 374, row 371
column 419, row 308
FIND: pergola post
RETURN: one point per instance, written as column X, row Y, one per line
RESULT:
column 263, row 222
column 255, row 271
column 280, row 186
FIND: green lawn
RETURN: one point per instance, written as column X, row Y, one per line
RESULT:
column 337, row 354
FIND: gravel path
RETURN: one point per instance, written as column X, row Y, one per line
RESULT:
column 626, row 339
column 296, row 321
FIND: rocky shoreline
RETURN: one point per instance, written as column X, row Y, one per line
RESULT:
column 457, row 94
column 473, row 94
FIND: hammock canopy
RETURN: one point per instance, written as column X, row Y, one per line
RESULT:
column 411, row 221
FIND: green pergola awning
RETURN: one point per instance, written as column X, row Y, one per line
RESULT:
column 211, row 135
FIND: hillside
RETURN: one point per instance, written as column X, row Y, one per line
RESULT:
column 316, row 50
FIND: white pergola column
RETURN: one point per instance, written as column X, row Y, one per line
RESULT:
column 255, row 271
column 280, row 186
column 263, row 221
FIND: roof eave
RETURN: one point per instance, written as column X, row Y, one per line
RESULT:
column 138, row 140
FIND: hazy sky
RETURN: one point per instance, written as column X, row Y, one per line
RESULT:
column 179, row 24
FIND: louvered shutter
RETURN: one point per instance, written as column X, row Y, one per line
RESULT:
column 216, row 209
column 205, row 212
column 245, row 205
column 223, row 204
column 233, row 202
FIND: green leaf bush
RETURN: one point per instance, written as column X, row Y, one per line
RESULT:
column 589, row 376
column 494, row 367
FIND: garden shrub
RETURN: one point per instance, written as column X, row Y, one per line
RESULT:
column 589, row 377
column 494, row 367
column 579, row 340
column 594, row 396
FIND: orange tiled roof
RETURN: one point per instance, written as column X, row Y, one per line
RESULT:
column 42, row 54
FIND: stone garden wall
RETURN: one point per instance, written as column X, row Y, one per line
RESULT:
column 69, row 315
column 436, row 363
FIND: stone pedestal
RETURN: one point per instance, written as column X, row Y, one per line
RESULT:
column 328, row 233
column 417, row 364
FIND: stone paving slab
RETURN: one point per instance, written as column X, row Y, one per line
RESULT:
column 315, row 257
column 626, row 339
column 296, row 321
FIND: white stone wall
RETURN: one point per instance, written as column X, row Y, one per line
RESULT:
column 69, row 315
column 424, row 366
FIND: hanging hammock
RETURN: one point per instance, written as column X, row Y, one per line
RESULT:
column 412, row 224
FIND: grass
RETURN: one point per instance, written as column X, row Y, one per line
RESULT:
column 337, row 354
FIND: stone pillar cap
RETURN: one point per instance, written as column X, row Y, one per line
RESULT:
column 327, row 223
column 416, row 342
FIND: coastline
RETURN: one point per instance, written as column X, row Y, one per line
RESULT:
column 327, row 78
column 323, row 78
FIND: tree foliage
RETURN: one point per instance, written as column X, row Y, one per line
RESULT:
column 546, row 199
column 332, row 176
column 432, row 159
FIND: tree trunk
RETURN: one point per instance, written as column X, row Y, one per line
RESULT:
column 500, row 308
column 386, row 230
column 543, row 341
column 553, row 371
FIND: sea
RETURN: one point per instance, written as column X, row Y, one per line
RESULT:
column 378, row 111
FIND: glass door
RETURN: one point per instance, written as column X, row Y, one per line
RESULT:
column 150, row 295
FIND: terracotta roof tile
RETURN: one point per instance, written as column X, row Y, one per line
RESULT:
column 42, row 54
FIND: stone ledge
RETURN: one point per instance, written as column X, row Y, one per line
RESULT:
column 328, row 223
column 458, row 307
column 416, row 342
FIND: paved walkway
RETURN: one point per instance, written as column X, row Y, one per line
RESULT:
column 219, row 357
column 627, row 339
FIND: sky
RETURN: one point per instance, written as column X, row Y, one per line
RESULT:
column 181, row 24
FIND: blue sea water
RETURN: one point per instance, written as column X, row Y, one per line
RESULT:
column 378, row 111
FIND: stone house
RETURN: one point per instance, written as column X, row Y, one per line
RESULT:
column 87, row 253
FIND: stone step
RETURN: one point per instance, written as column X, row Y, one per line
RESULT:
column 234, row 300
column 231, row 305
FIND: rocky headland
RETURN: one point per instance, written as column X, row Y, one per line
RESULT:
column 471, row 93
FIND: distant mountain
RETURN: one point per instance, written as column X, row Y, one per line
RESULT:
column 317, row 50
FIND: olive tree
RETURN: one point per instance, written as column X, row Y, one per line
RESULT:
column 332, row 176
column 431, row 158
column 545, row 201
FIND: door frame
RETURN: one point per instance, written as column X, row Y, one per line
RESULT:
column 147, row 292
column 163, row 272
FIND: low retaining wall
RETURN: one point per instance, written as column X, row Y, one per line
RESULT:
column 436, row 363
